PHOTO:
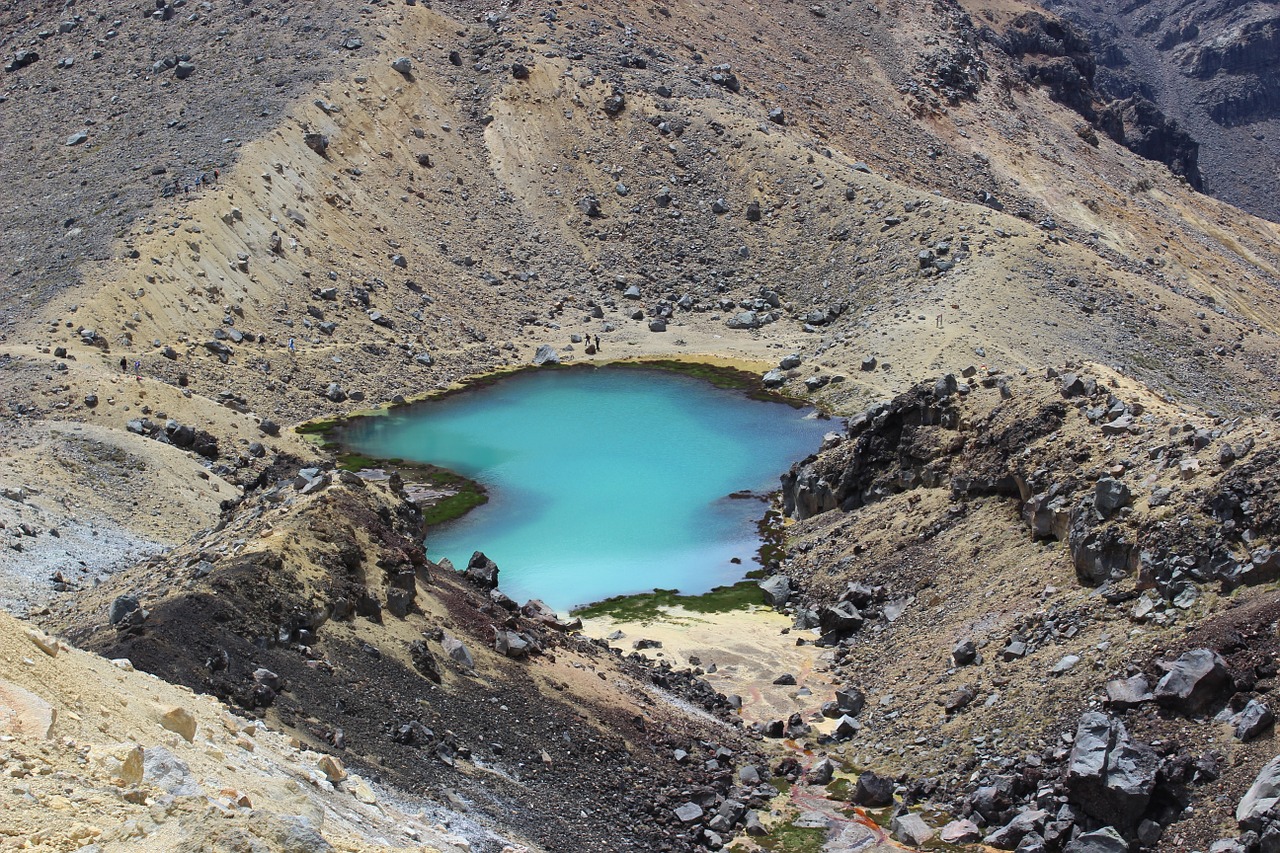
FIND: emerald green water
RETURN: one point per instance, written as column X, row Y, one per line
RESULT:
column 602, row 482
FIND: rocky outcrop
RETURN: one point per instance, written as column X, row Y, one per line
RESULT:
column 1186, row 73
column 1059, row 56
column 289, row 614
column 920, row 440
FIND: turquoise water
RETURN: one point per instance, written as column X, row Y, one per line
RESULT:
column 601, row 482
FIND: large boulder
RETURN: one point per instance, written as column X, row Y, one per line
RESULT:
column 482, row 571
column 873, row 791
column 511, row 644
column 850, row 701
column 1193, row 682
column 546, row 354
column 1261, row 802
column 1109, row 775
column 777, row 590
column 910, row 828
column 1110, row 495
column 844, row 618
column 1105, row 840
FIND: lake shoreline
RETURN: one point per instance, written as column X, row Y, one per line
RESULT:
column 461, row 494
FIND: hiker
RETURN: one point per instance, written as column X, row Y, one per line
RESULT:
column 215, row 177
column 292, row 349
column 124, row 364
column 598, row 343
column 939, row 321
column 137, row 370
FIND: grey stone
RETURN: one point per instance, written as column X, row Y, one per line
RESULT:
column 689, row 813
column 546, row 354
column 777, row 590
column 1126, row 693
column 183, row 70
column 1065, row 664
column 959, row 699
column 1109, row 775
column 790, row 362
column 873, row 791
column 843, row 618
column 1257, row 805
column 1110, row 495
column 822, row 772
column 1193, row 682
column 960, row 832
column 1008, row 836
column 121, row 607
column 169, row 772
column 403, row 64
column 964, row 653
column 511, row 644
column 1253, row 720
column 846, row 726
column 1032, row 842
column 1105, row 840
column 457, row 652
column 1014, row 650
column 77, row 138
column 1072, row 385
column 297, row 835
column 482, row 571
column 850, row 701
column 910, row 828
column 773, row 379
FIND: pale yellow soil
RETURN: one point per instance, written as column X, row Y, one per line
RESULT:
column 80, row 781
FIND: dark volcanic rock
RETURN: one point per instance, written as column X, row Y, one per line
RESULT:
column 1108, row 774
column 482, row 571
column 1194, row 682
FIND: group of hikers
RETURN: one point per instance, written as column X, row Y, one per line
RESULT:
column 201, row 180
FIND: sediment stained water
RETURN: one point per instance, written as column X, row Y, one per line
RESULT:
column 601, row 482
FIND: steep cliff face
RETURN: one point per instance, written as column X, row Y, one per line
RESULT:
column 1209, row 66
column 1059, row 56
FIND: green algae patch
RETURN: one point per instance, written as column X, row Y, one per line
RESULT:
column 789, row 838
column 451, row 495
column 468, row 494
column 321, row 428
column 841, row 789
column 721, row 376
column 648, row 606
